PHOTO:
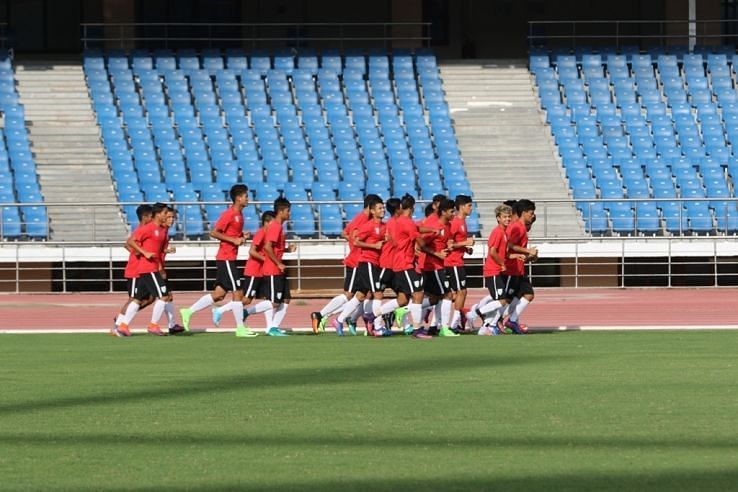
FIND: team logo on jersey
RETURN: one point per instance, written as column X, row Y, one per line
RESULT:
column 417, row 283
column 463, row 283
column 376, row 230
column 443, row 232
column 279, row 295
column 238, row 283
column 446, row 283
column 163, row 289
column 463, row 229
column 510, row 291
column 376, row 285
column 156, row 232
column 237, row 218
column 500, row 292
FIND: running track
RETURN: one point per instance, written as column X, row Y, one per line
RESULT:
column 553, row 309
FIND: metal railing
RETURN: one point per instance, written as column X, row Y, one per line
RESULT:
column 254, row 35
column 643, row 33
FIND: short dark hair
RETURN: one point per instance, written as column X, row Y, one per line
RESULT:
column 445, row 204
column 439, row 198
column 407, row 201
column 371, row 199
column 280, row 204
column 267, row 216
column 462, row 200
column 158, row 207
column 429, row 209
column 392, row 205
column 143, row 210
column 524, row 205
column 238, row 190
column 510, row 203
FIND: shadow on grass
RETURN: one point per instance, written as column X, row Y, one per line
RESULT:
column 336, row 375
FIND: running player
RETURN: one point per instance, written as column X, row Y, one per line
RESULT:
column 148, row 242
column 459, row 243
column 229, row 231
column 276, row 284
column 168, row 298
column 143, row 212
column 517, row 236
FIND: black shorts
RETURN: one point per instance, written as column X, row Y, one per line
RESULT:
column 227, row 275
column 276, row 288
column 150, row 285
column 131, row 284
column 251, row 286
column 349, row 280
column 387, row 278
column 408, row 282
column 435, row 282
column 456, row 276
column 521, row 286
column 498, row 286
column 368, row 278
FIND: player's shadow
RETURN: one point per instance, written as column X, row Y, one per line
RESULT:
column 338, row 375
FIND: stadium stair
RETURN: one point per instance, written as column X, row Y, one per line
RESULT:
column 66, row 144
column 507, row 150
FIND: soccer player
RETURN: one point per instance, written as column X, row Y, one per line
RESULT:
column 435, row 283
column 251, row 281
column 517, row 236
column 495, row 279
column 386, row 275
column 459, row 243
column 335, row 305
column 406, row 236
column 368, row 240
column 143, row 212
column 229, row 231
column 148, row 242
column 276, row 284
column 168, row 298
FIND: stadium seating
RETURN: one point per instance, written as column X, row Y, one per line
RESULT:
column 631, row 126
column 186, row 126
column 18, row 177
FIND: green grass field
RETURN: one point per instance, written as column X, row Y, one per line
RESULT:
column 574, row 411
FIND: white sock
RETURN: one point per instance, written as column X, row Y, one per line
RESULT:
column 259, row 308
column 157, row 311
column 510, row 308
column 171, row 317
column 522, row 304
column 237, row 308
column 437, row 318
column 376, row 309
column 357, row 314
column 495, row 317
column 416, row 313
column 120, row 319
column 348, row 309
column 202, row 303
column 484, row 300
column 131, row 313
column 279, row 315
column 334, row 304
column 367, row 305
column 389, row 306
column 489, row 307
column 455, row 318
column 269, row 317
column 225, row 308
column 446, row 306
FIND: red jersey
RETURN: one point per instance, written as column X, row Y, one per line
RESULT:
column 253, row 266
column 498, row 242
column 371, row 233
column 421, row 254
column 404, row 236
column 151, row 238
column 517, row 234
column 275, row 235
column 229, row 223
column 165, row 246
column 458, row 234
column 352, row 259
column 436, row 242
column 388, row 248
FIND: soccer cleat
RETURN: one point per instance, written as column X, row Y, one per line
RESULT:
column 484, row 331
column 447, row 332
column 462, row 316
column 185, row 314
column 420, row 334
column 154, row 329
column 315, row 320
column 321, row 325
column 382, row 332
column 217, row 315
column 400, row 314
column 176, row 330
column 501, row 330
column 369, row 322
column 276, row 332
column 408, row 330
column 245, row 332
column 338, row 326
column 122, row 330
column 433, row 331
column 351, row 326
column 514, row 326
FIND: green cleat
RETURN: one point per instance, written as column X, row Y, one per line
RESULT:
column 245, row 332
column 400, row 313
column 322, row 323
column 186, row 314
column 446, row 332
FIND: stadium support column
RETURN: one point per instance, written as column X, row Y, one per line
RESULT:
column 692, row 24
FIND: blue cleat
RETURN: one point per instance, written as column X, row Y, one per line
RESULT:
column 339, row 327
column 217, row 315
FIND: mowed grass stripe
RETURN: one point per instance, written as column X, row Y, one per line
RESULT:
column 605, row 411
